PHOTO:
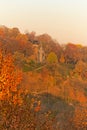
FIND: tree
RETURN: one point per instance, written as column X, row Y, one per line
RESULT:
column 72, row 53
column 19, row 58
column 80, row 70
column 52, row 58
column 80, row 117
column 84, row 53
column 62, row 59
column 10, row 79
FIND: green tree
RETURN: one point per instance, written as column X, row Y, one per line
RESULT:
column 52, row 58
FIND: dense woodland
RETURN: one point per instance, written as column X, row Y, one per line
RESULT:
column 43, row 84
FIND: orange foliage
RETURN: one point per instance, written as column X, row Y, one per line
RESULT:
column 80, row 117
column 62, row 59
column 2, row 32
column 10, row 79
column 72, row 53
column 71, row 92
column 22, row 39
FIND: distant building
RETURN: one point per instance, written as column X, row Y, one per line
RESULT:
column 41, row 54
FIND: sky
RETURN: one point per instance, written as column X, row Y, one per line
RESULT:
column 64, row 20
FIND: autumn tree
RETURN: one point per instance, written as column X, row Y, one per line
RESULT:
column 10, row 79
column 62, row 58
column 19, row 59
column 83, row 52
column 52, row 62
column 80, row 117
column 52, row 58
column 49, row 44
column 80, row 70
column 72, row 53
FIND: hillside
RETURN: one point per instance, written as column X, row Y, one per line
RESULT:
column 43, row 84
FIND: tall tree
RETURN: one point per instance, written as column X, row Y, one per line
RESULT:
column 10, row 79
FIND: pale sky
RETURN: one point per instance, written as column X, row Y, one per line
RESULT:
column 64, row 20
